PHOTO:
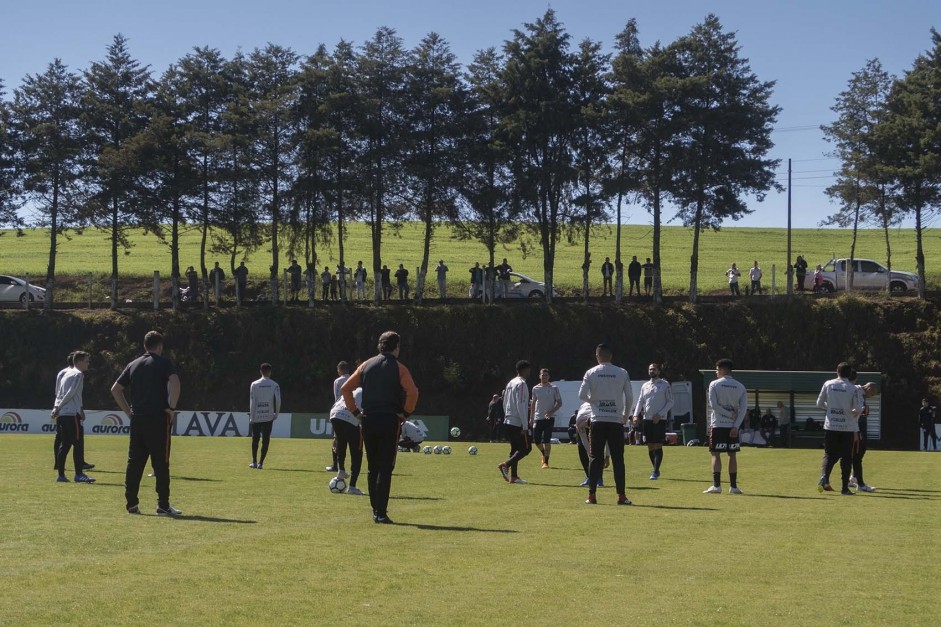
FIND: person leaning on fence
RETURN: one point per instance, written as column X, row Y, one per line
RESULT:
column 192, row 279
column 476, row 280
column 648, row 277
column 324, row 283
column 294, row 271
column 800, row 272
column 241, row 281
column 503, row 273
column 733, row 274
column 607, row 272
column 401, row 281
column 359, row 276
column 754, row 274
column 442, row 272
column 216, row 278
column 634, row 271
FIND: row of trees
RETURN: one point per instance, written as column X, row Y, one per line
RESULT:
column 888, row 138
column 536, row 141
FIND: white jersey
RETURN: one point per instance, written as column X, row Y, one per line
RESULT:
column 337, row 384
column 754, row 274
column 656, row 397
column 608, row 388
column 728, row 401
column 264, row 400
column 69, row 392
column 340, row 412
column 546, row 398
column 516, row 403
column 841, row 400
column 412, row 431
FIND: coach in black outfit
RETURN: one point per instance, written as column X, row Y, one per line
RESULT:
column 389, row 397
column 155, row 390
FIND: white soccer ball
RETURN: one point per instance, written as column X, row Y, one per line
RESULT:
column 472, row 450
column 437, row 450
column 455, row 432
column 337, row 485
column 426, row 450
column 446, row 450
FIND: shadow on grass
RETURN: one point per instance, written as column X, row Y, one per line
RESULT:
column 293, row 470
column 679, row 507
column 213, row 519
column 916, row 490
column 172, row 478
column 907, row 497
column 451, row 528
column 785, row 496
column 416, row 498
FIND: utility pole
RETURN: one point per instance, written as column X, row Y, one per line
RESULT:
column 790, row 269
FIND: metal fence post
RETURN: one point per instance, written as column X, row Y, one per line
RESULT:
column 156, row 290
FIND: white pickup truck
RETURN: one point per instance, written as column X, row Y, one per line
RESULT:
column 867, row 275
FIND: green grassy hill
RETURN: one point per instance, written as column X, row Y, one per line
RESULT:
column 89, row 252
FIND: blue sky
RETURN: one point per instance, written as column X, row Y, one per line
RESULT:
column 809, row 47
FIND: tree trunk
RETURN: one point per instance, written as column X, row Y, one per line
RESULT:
column 694, row 258
column 586, row 263
column 919, row 253
column 852, row 265
column 175, row 255
column 114, row 253
column 53, row 245
column 657, row 286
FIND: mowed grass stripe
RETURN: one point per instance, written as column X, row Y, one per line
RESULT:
column 275, row 547
column 90, row 253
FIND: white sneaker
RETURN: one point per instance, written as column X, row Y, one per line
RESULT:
column 713, row 489
column 170, row 511
column 867, row 488
column 518, row 480
column 342, row 474
column 852, row 482
column 354, row 490
column 735, row 491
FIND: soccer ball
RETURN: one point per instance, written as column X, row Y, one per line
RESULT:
column 426, row 450
column 455, row 432
column 337, row 485
column 472, row 450
column 446, row 450
column 437, row 450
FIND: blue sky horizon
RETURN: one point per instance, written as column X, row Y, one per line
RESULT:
column 810, row 49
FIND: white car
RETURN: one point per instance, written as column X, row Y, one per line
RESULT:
column 522, row 286
column 13, row 289
column 867, row 275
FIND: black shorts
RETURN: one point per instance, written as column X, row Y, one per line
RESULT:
column 648, row 281
column 721, row 441
column 542, row 431
column 262, row 429
column 654, row 433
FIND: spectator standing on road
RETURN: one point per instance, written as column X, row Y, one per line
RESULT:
column 728, row 405
column 442, row 272
column 476, row 280
column 608, row 388
column 359, row 276
column 648, row 277
column 325, row 283
column 401, row 281
column 241, row 281
column 264, row 404
column 155, row 391
column 294, row 271
column 800, row 272
column 634, row 271
column 754, row 274
column 334, row 286
column 503, row 273
column 818, row 279
column 192, row 279
column 607, row 273
column 733, row 274
column 389, row 397
column 216, row 278
column 386, row 282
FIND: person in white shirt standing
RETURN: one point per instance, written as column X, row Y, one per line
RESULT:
column 728, row 404
column 754, row 274
column 442, row 273
column 547, row 400
column 733, row 274
column 264, row 405
column 608, row 389
column 840, row 427
column 67, row 412
column 650, row 413
column 343, row 373
column 516, row 421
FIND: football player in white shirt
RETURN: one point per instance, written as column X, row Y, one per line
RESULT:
column 840, row 427
column 650, row 413
column 728, row 402
column 546, row 401
column 343, row 373
column 608, row 388
column 515, row 421
column 264, row 405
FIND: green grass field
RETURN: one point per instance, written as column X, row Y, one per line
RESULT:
column 90, row 253
column 275, row 547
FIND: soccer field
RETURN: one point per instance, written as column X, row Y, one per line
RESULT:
column 275, row 547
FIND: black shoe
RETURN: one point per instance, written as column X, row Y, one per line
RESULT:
column 384, row 520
